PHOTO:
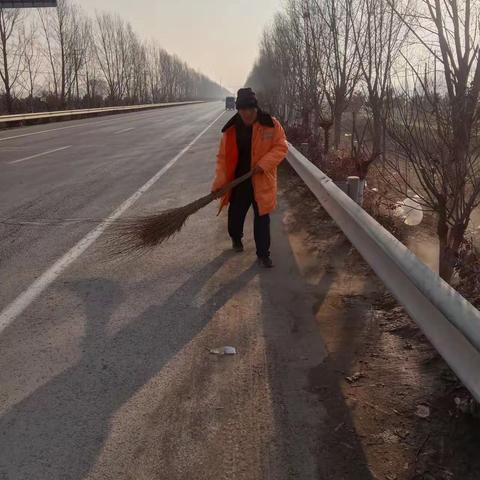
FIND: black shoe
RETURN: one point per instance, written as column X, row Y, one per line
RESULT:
column 265, row 262
column 237, row 245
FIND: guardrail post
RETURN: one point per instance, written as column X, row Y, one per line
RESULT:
column 353, row 188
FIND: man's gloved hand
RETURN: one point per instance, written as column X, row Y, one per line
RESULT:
column 257, row 169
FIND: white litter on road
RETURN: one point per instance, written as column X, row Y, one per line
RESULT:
column 223, row 350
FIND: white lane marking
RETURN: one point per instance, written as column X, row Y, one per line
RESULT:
column 39, row 154
column 124, row 130
column 15, row 308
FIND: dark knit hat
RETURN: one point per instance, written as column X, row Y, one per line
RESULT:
column 246, row 98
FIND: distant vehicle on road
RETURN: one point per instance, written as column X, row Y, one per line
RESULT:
column 230, row 103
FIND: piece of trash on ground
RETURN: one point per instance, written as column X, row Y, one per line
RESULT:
column 422, row 411
column 355, row 377
column 410, row 210
column 227, row 350
column 339, row 426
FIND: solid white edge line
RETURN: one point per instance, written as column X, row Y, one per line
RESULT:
column 15, row 308
column 38, row 155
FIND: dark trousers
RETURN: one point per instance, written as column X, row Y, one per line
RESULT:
column 240, row 202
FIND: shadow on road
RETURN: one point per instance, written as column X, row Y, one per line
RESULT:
column 304, row 376
column 58, row 431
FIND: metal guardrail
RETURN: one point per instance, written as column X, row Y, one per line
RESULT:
column 45, row 117
column 448, row 320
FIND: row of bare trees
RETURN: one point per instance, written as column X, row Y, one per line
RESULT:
column 320, row 57
column 61, row 58
column 410, row 69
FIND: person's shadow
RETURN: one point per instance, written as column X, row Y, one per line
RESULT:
column 58, row 431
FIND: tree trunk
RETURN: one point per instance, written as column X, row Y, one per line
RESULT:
column 450, row 241
column 63, row 103
column 8, row 100
column 306, row 121
column 326, row 139
column 446, row 263
column 353, row 134
column 377, row 130
column 6, row 77
column 337, row 118
column 444, row 269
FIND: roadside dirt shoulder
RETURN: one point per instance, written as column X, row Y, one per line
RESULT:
column 394, row 410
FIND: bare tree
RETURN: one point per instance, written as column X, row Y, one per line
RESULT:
column 11, row 52
column 93, row 81
column 330, row 22
column 434, row 126
column 78, row 45
column 32, row 62
column 155, row 73
column 379, row 35
column 113, row 52
column 65, row 39
column 279, row 75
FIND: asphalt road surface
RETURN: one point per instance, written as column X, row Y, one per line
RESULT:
column 104, row 368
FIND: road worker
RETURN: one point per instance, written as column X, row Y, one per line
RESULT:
column 251, row 140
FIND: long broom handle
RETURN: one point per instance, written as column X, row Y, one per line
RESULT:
column 232, row 184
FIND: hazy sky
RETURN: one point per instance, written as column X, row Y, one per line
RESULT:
column 218, row 37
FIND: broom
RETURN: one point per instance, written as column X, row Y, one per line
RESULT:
column 135, row 236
